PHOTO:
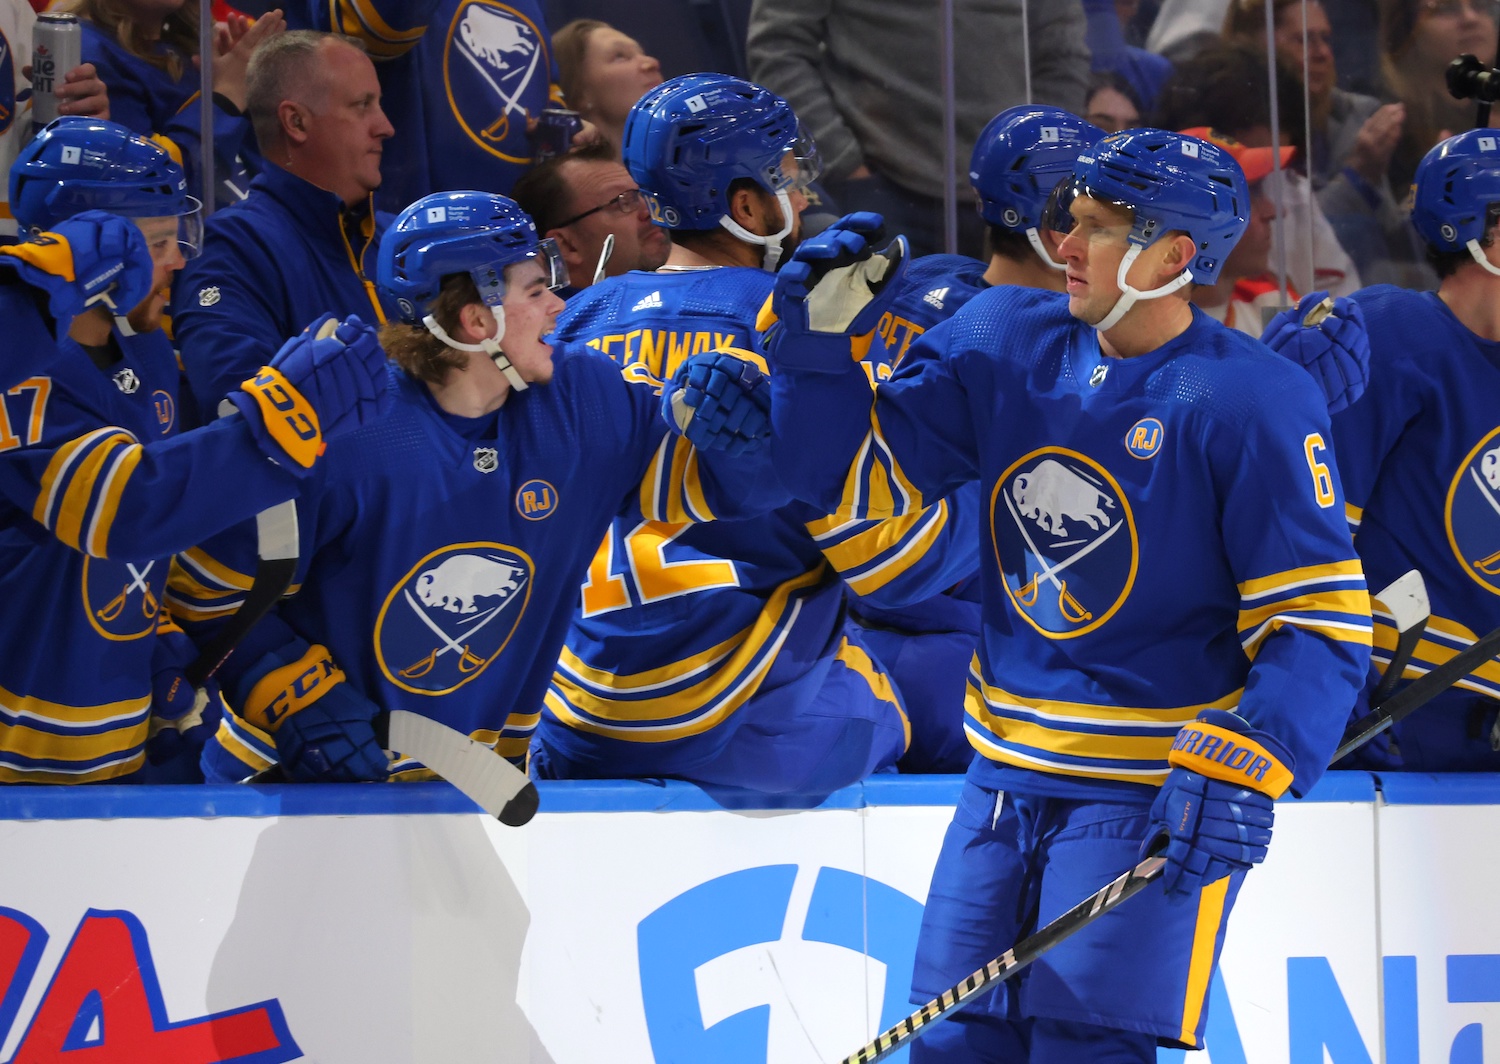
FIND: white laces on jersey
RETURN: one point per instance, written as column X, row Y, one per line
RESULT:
column 490, row 345
column 1130, row 295
column 772, row 243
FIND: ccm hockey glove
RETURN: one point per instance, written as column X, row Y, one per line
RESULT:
column 1213, row 814
column 1327, row 338
column 719, row 401
column 324, row 730
column 182, row 716
column 833, row 292
column 328, row 380
column 89, row 257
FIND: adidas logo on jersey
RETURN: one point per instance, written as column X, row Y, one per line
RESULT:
column 651, row 302
column 935, row 297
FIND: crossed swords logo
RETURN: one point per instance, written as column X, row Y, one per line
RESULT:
column 1073, row 611
column 468, row 662
column 116, row 605
column 499, row 129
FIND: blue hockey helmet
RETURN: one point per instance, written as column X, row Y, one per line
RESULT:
column 687, row 139
column 1021, row 156
column 478, row 233
column 1170, row 182
column 1455, row 187
column 78, row 164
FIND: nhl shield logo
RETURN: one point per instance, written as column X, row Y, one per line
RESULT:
column 1473, row 513
column 486, row 459
column 1065, row 541
column 451, row 615
column 494, row 53
column 127, row 381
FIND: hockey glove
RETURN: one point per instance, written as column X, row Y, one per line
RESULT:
column 833, row 291
column 91, row 257
column 182, row 716
column 324, row 730
column 1326, row 337
column 719, row 402
column 1213, row 815
column 328, row 380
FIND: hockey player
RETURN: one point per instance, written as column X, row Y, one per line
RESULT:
column 1175, row 623
column 722, row 653
column 97, row 488
column 442, row 553
column 1420, row 452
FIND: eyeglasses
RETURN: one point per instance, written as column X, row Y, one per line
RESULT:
column 627, row 202
column 1489, row 9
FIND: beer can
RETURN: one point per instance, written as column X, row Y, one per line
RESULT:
column 555, row 129
column 56, row 48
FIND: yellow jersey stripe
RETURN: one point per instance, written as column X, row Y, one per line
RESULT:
column 929, row 525
column 120, row 472
column 73, row 510
column 1306, row 576
column 18, row 740
column 52, row 774
column 858, row 661
column 58, row 470
column 1211, row 901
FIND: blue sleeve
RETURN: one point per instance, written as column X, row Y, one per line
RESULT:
column 1304, row 613
column 1366, row 432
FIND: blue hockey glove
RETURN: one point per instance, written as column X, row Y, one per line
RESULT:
column 1327, row 338
column 182, row 716
column 324, row 730
column 328, row 380
column 719, row 401
column 91, row 257
column 834, row 289
column 1214, row 813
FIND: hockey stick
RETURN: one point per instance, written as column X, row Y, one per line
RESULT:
column 1406, row 598
column 1131, row 883
column 480, row 774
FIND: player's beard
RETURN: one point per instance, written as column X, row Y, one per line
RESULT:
column 147, row 315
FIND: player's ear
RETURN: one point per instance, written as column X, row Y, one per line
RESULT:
column 477, row 321
column 1177, row 254
column 746, row 208
column 293, row 119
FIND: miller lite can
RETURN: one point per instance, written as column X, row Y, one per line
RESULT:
column 56, row 48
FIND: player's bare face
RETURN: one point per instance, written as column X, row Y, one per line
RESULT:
column 1092, row 251
column 604, row 188
column 166, row 260
column 531, row 311
column 347, row 129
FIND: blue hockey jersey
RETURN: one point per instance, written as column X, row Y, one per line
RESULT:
column 76, row 640
column 680, row 625
column 1164, row 533
column 1420, row 458
column 441, row 556
column 459, row 79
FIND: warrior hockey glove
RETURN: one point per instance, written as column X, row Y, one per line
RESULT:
column 84, row 259
column 834, row 290
column 182, row 716
column 328, row 380
column 1327, row 338
column 719, row 402
column 324, row 730
column 1214, row 813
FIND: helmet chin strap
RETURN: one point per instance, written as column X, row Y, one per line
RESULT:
column 772, row 243
column 1481, row 258
column 121, row 322
column 490, row 345
column 1129, row 296
column 1041, row 249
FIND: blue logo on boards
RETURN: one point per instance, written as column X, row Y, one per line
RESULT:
column 746, row 909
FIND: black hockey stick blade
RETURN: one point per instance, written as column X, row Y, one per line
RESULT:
column 1417, row 693
column 1406, row 598
column 276, row 567
column 1106, row 898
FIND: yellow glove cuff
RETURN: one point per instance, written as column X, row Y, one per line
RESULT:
column 289, row 418
column 1230, row 756
column 284, row 691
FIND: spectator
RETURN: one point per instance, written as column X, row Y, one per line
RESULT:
column 1418, row 39
column 1350, row 137
column 80, row 93
column 1111, row 104
column 146, row 52
column 603, row 72
column 1226, row 87
column 581, row 198
column 303, row 243
column 865, row 75
column 1245, row 284
column 1145, row 72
